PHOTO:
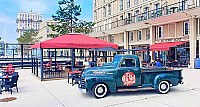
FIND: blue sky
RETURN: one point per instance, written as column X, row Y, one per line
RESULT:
column 10, row 8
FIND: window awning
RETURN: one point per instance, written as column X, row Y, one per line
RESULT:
column 165, row 46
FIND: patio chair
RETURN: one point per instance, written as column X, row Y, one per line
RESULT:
column 10, row 84
column 15, row 73
column 75, row 77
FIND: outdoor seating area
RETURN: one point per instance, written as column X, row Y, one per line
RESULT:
column 8, row 79
column 66, row 57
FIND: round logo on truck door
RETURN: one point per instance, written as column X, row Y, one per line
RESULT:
column 128, row 78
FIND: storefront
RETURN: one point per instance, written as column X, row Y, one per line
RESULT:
column 172, row 52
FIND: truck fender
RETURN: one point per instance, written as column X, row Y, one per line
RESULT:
column 165, row 76
column 109, row 82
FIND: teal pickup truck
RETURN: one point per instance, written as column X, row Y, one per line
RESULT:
column 125, row 73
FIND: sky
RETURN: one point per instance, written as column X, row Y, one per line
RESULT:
column 10, row 8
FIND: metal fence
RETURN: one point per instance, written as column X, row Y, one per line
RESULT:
column 19, row 55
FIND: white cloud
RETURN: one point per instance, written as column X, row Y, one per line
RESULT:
column 37, row 6
column 6, row 20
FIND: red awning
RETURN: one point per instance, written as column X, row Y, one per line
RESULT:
column 74, row 41
column 165, row 46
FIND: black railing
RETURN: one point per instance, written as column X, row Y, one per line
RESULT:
column 164, row 10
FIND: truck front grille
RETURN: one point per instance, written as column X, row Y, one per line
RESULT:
column 82, row 84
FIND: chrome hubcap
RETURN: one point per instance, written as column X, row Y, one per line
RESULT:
column 100, row 90
column 163, row 86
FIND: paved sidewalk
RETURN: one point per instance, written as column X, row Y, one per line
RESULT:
column 58, row 93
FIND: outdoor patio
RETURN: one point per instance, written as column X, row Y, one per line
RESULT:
column 59, row 93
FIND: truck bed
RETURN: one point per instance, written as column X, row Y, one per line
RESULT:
column 150, row 73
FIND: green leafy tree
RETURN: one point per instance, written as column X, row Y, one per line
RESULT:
column 67, row 17
column 29, row 37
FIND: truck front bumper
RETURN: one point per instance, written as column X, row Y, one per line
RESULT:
column 82, row 90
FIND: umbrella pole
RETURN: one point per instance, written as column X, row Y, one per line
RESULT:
column 72, row 57
column 95, row 58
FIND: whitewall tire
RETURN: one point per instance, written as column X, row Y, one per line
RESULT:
column 99, row 90
column 163, row 87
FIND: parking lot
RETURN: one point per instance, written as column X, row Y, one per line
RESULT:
column 58, row 93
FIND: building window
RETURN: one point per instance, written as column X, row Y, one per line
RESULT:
column 95, row 15
column 131, row 36
column 146, row 11
column 104, row 1
column 147, row 34
column 136, row 15
column 109, row 9
column 104, row 11
column 186, row 28
column 145, row 0
column 112, row 39
column 160, row 32
column 129, row 18
column 47, row 23
column 128, row 2
column 121, row 4
column 136, row 2
column 109, row 24
column 198, row 26
column 139, row 35
column 95, row 3
column 157, row 7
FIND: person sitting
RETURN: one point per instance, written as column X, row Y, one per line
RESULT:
column 99, row 62
column 158, row 64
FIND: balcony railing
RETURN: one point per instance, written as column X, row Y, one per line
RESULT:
column 164, row 10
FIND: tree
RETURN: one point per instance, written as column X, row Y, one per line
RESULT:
column 67, row 17
column 29, row 37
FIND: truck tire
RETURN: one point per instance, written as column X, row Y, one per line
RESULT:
column 163, row 87
column 99, row 90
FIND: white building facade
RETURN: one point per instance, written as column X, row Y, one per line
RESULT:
column 27, row 21
column 138, row 23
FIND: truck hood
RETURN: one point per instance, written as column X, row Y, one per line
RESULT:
column 104, row 70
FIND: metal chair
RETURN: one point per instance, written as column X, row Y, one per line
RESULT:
column 10, row 84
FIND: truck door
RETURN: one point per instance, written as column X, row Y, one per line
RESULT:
column 129, row 73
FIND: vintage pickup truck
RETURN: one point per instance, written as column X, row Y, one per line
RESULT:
column 125, row 73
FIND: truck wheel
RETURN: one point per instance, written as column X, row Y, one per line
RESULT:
column 99, row 90
column 163, row 87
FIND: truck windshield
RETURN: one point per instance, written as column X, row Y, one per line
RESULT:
column 116, row 61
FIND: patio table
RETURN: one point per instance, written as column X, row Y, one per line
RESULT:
column 5, row 72
column 4, row 77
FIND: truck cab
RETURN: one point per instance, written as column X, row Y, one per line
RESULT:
column 125, row 72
